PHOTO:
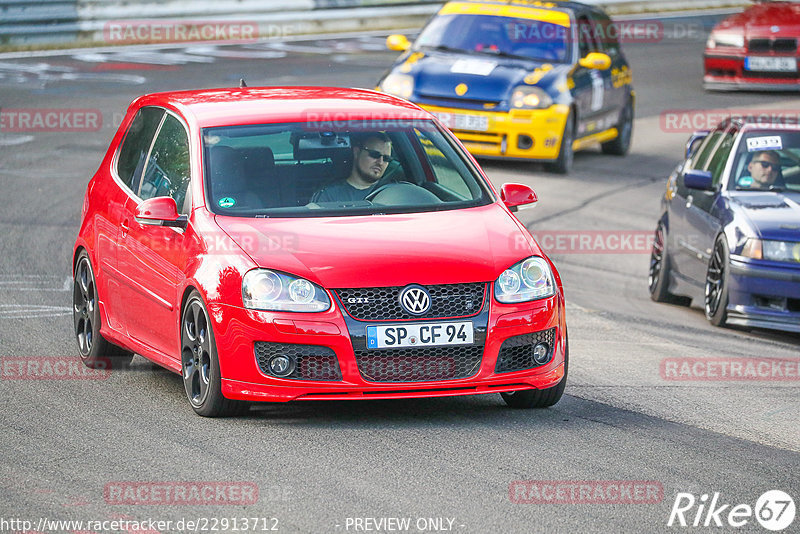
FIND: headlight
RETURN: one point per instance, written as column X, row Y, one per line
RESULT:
column 734, row 40
column 263, row 289
column 530, row 279
column 772, row 250
column 528, row 97
column 401, row 85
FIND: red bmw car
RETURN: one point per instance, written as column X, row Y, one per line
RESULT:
column 755, row 49
column 279, row 244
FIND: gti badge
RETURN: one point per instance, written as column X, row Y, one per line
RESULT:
column 415, row 300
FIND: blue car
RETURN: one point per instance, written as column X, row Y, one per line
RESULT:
column 523, row 80
column 729, row 231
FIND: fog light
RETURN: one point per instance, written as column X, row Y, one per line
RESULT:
column 524, row 142
column 281, row 365
column 541, row 352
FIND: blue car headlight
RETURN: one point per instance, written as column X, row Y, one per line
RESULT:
column 764, row 249
column 530, row 279
column 401, row 85
column 529, row 97
column 263, row 289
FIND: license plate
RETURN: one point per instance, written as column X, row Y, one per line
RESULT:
column 457, row 121
column 419, row 335
column 771, row 64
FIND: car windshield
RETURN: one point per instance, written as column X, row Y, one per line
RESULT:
column 331, row 168
column 767, row 161
column 496, row 35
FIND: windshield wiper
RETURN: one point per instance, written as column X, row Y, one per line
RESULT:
column 500, row 53
column 445, row 48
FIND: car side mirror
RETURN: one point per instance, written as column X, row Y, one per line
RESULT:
column 596, row 60
column 160, row 211
column 516, row 195
column 398, row 42
column 694, row 142
column 702, row 180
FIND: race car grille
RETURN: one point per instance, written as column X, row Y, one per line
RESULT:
column 785, row 46
column 311, row 362
column 516, row 353
column 383, row 303
column 419, row 364
column 472, row 103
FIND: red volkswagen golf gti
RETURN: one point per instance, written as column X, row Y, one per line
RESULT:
column 278, row 244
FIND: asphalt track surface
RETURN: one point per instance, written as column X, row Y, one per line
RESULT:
column 335, row 466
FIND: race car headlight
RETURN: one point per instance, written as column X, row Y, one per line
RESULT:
column 733, row 40
column 401, row 85
column 530, row 279
column 528, row 97
column 758, row 249
column 263, row 289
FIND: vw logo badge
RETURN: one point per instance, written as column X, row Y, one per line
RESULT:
column 415, row 300
column 775, row 29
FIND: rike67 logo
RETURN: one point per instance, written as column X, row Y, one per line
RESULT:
column 774, row 510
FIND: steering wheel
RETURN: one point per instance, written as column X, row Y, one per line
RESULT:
column 402, row 193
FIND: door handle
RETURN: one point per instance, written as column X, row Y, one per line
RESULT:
column 689, row 201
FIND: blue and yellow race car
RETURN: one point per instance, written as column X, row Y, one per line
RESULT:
column 520, row 79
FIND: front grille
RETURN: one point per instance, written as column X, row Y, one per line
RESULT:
column 781, row 46
column 383, row 303
column 772, row 75
column 419, row 364
column 516, row 353
column 312, row 362
column 461, row 102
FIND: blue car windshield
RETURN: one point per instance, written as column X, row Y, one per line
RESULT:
column 767, row 160
column 501, row 36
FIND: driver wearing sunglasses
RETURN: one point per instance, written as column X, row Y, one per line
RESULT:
column 764, row 169
column 371, row 155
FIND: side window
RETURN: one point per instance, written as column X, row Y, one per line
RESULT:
column 717, row 162
column 138, row 139
column 167, row 172
column 608, row 33
column 701, row 156
column 586, row 41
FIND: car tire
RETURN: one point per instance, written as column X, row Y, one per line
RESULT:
column 200, row 368
column 716, row 288
column 539, row 398
column 566, row 155
column 95, row 351
column 622, row 143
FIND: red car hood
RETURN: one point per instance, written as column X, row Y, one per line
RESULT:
column 467, row 245
column 760, row 19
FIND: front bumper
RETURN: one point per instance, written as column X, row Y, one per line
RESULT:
column 727, row 72
column 520, row 133
column 236, row 331
column 761, row 296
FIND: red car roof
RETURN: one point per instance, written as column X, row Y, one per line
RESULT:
column 258, row 105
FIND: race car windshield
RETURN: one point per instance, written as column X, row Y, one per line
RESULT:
column 495, row 35
column 334, row 167
column 767, row 161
